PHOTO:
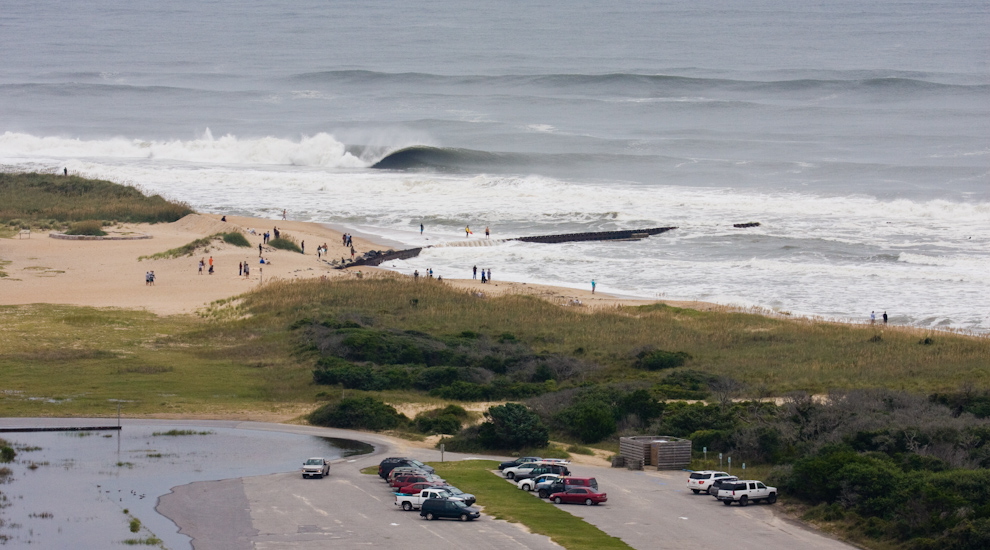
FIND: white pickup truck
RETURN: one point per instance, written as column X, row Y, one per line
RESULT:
column 414, row 502
column 746, row 491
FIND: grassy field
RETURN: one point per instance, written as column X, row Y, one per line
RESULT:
column 48, row 201
column 505, row 501
column 241, row 356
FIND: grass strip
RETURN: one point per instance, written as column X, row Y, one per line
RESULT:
column 506, row 502
column 190, row 248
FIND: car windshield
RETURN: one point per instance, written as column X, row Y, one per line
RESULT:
column 417, row 463
column 314, row 462
column 453, row 490
column 696, row 475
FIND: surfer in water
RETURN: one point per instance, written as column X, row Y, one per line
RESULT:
column 467, row 231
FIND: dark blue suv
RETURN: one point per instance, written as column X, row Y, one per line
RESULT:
column 436, row 508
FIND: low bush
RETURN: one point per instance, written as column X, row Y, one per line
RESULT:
column 285, row 242
column 7, row 453
column 447, row 420
column 358, row 413
column 660, row 359
column 87, row 227
column 235, row 238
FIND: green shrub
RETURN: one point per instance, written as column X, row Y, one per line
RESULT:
column 7, row 454
column 357, row 413
column 591, row 423
column 446, row 420
column 135, row 525
column 686, row 384
column 512, row 426
column 660, row 359
column 235, row 238
column 87, row 227
column 285, row 242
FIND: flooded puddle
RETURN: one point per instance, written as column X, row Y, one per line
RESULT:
column 86, row 489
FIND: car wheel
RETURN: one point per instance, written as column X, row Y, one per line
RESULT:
column 430, row 516
column 772, row 498
column 407, row 506
column 464, row 517
column 727, row 502
column 543, row 493
column 305, row 476
column 695, row 491
column 557, row 500
column 587, row 502
column 744, row 501
column 510, row 475
column 709, row 491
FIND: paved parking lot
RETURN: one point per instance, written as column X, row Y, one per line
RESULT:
column 648, row 510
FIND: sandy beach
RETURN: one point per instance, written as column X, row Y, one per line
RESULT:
column 108, row 273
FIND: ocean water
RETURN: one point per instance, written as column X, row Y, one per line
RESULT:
column 858, row 135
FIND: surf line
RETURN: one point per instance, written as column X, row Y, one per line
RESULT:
column 623, row 235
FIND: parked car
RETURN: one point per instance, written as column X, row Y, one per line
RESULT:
column 543, row 488
column 579, row 495
column 409, row 501
column 317, row 466
column 565, row 483
column 386, row 465
column 403, row 481
column 529, row 484
column 699, row 481
column 511, row 471
column 403, row 470
column 415, row 488
column 559, row 469
column 746, row 491
column 717, row 484
column 518, row 461
column 444, row 508
column 468, row 498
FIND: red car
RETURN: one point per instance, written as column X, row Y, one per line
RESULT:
column 578, row 495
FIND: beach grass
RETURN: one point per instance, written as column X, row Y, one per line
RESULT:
column 235, row 238
column 39, row 200
column 503, row 500
column 285, row 242
column 241, row 356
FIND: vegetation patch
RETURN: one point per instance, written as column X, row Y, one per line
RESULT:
column 182, row 432
column 360, row 413
column 87, row 227
column 36, row 200
column 506, row 502
column 188, row 249
column 285, row 242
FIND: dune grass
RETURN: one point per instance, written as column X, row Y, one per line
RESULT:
column 34, row 199
column 235, row 238
column 240, row 355
column 771, row 355
column 505, row 501
column 285, row 242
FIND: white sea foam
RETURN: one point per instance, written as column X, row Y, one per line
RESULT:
column 319, row 150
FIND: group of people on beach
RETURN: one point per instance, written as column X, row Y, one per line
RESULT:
column 873, row 317
column 267, row 236
column 321, row 251
column 149, row 278
column 244, row 269
column 202, row 264
column 485, row 278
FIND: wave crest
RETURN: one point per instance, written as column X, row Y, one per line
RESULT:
column 320, row 150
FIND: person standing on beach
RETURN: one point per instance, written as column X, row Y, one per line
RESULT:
column 302, row 246
column 467, row 231
column 420, row 229
column 592, row 286
column 483, row 279
column 65, row 171
column 201, row 263
column 489, row 274
column 416, row 275
column 885, row 317
column 240, row 268
column 487, row 233
column 283, row 216
column 259, row 250
column 211, row 264
column 873, row 317
column 474, row 273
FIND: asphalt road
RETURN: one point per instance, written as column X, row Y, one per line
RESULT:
column 649, row 510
